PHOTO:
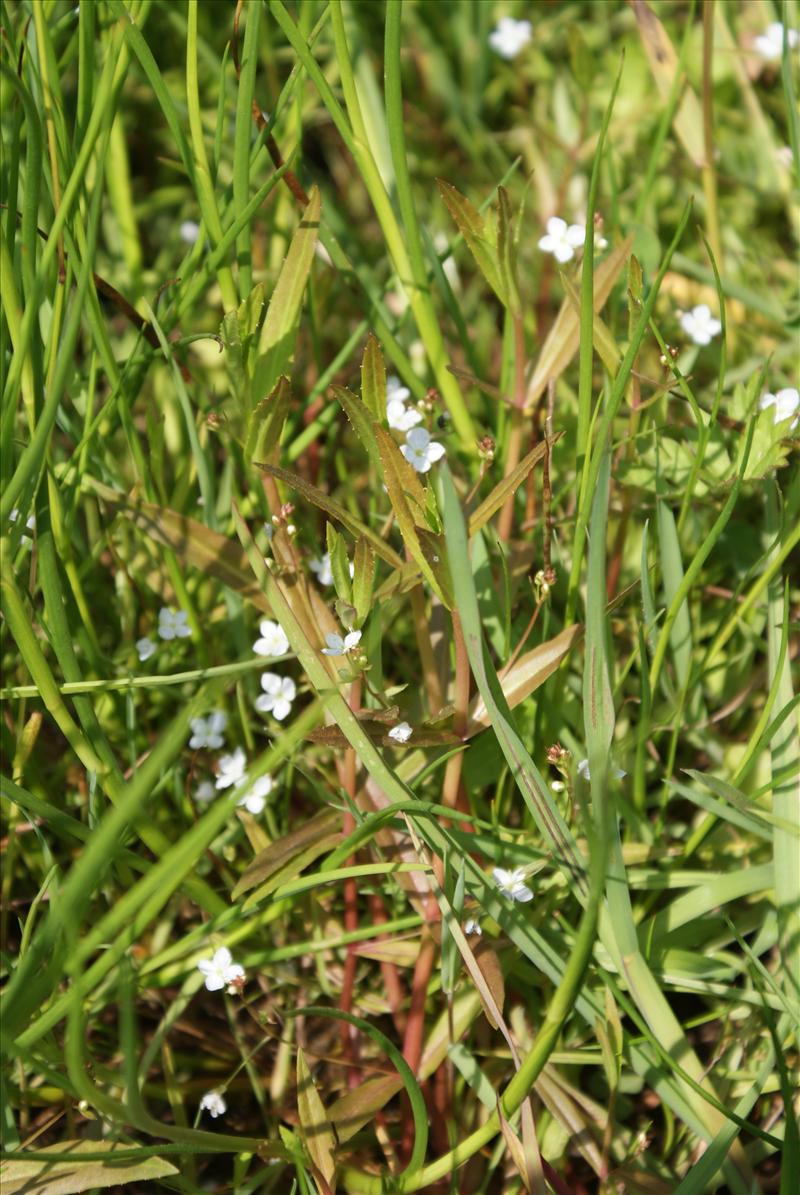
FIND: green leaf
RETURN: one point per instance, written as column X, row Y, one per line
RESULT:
column 364, row 568
column 267, row 420
column 279, row 332
column 361, row 421
column 373, row 380
column 320, row 832
column 315, row 1127
column 66, row 1173
column 340, row 564
column 472, row 227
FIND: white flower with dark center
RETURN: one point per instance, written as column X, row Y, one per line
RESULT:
column 700, row 325
column 562, row 239
column 232, row 769
column 213, row 1103
column 173, row 624
column 209, row 732
column 273, row 641
column 255, row 798
column 205, row 792
column 401, row 733
column 512, row 883
column 221, row 971
column 189, row 231
column 338, row 646
column 583, row 770
column 145, row 648
column 321, row 566
column 786, row 403
column 509, row 37
column 279, row 693
column 770, row 44
column 472, row 926
column 420, row 450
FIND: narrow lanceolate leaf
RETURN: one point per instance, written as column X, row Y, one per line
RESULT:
column 373, row 380
column 335, row 510
column 507, row 250
column 358, row 1107
column 193, row 543
column 340, row 565
column 492, row 973
column 315, row 1127
column 508, row 486
column 363, row 578
column 529, row 672
column 527, row 776
column 664, row 64
column 427, row 549
column 266, row 422
column 362, row 421
column 320, row 832
column 279, row 332
column 564, row 336
column 603, row 341
column 63, row 1173
column 472, row 227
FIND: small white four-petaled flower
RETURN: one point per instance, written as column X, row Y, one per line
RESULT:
column 213, row 1103
column 189, row 230
column 401, row 733
column 338, row 646
column 321, row 566
column 700, row 325
column 420, row 450
column 471, row 926
column 208, row 732
column 173, row 624
column 786, row 403
column 279, row 693
column 232, row 769
column 583, row 770
column 273, row 641
column 509, row 37
column 145, row 648
column 770, row 44
column 512, row 883
column 221, row 971
column 562, row 239
column 255, row 798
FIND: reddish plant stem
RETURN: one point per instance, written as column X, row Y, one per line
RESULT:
column 395, row 993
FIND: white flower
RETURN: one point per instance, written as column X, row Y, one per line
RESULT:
column 173, row 624
column 213, row 1103
column 512, row 883
column 254, row 799
column 509, row 37
column 322, row 567
column 785, row 156
column 472, row 927
column 562, row 239
column 786, row 403
column 273, row 641
column 770, row 44
column 401, row 733
column 145, row 648
column 700, row 325
column 400, row 417
column 221, row 971
column 337, row 646
column 232, row 769
column 396, row 390
column 208, row 732
column 189, row 230
column 204, row 792
column 420, row 450
column 279, row 693
column 583, row 770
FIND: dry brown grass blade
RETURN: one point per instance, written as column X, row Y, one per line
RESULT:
column 530, row 671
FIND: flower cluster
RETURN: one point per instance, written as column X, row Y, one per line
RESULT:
column 419, row 449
